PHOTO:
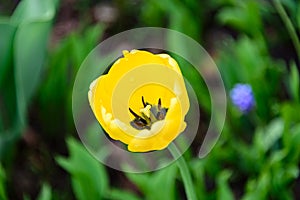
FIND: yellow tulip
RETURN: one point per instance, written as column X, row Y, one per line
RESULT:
column 142, row 101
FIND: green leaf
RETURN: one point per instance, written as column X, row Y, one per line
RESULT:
column 89, row 178
column 7, row 86
column 294, row 83
column 283, row 175
column 25, row 37
column 290, row 114
column 64, row 61
column 244, row 16
column 258, row 189
column 7, row 141
column 45, row 193
column 250, row 158
column 292, row 143
column 298, row 15
column 277, row 157
column 292, row 172
column 267, row 137
column 199, row 176
column 26, row 197
column 34, row 10
column 223, row 190
column 141, row 181
column 29, row 63
column 34, row 20
column 2, row 183
column 116, row 194
column 158, row 185
column 163, row 183
column 7, row 31
column 92, row 35
column 232, row 16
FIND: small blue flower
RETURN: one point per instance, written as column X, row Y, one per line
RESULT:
column 242, row 97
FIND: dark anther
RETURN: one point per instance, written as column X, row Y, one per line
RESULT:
column 143, row 122
column 161, row 114
column 144, row 104
column 139, row 122
column 159, row 104
column 134, row 114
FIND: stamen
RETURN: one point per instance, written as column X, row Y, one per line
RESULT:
column 144, row 104
column 139, row 125
column 149, row 115
column 134, row 114
column 159, row 104
column 138, row 119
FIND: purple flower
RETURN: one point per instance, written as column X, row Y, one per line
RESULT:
column 242, row 97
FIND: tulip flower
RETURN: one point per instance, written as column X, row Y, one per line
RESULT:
column 142, row 100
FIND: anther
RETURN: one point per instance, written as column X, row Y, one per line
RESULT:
column 134, row 114
column 149, row 115
column 159, row 104
column 144, row 104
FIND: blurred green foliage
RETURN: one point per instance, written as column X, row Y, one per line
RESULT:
column 62, row 64
column 257, row 155
column 23, row 49
column 157, row 185
column 89, row 179
column 177, row 13
column 2, row 184
column 45, row 193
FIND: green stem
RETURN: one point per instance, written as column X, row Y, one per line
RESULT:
column 289, row 26
column 184, row 170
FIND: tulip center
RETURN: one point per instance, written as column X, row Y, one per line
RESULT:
column 148, row 114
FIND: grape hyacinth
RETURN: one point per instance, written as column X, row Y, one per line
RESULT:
column 242, row 97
